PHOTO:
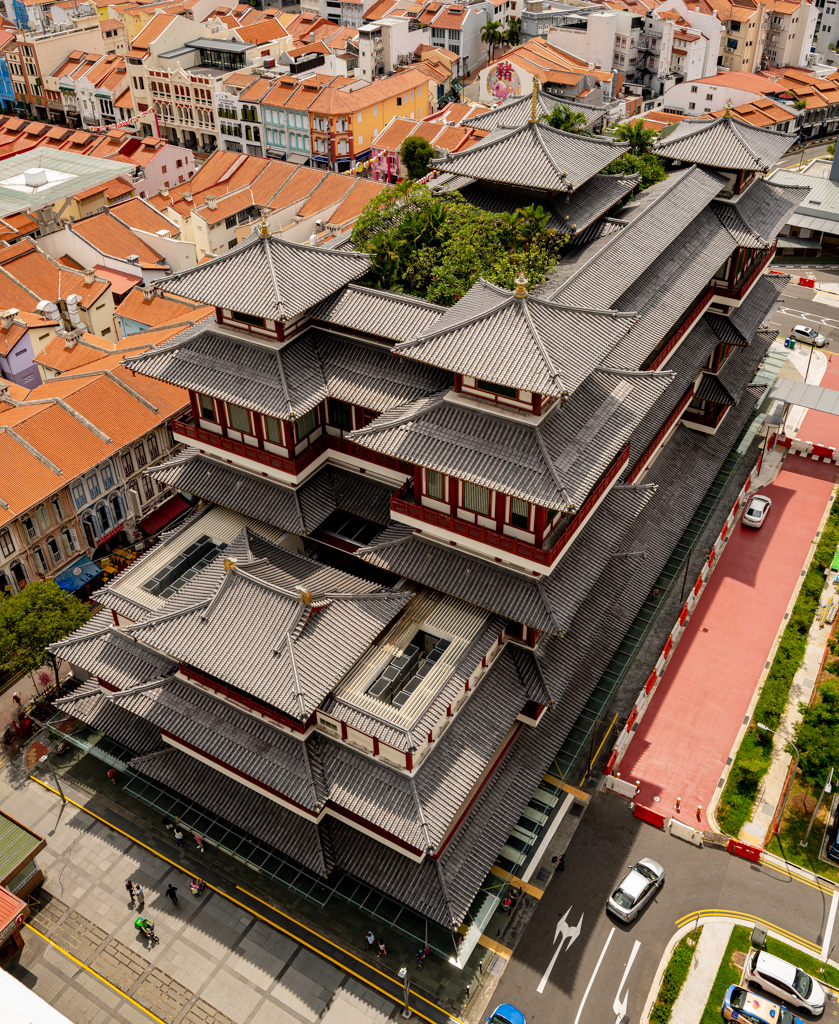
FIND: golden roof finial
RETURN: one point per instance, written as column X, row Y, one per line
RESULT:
column 727, row 112
column 536, row 86
column 521, row 285
column 264, row 230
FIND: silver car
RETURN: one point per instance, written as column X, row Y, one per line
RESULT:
column 809, row 335
column 756, row 511
column 636, row 890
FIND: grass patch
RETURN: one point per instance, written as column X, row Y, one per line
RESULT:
column 752, row 760
column 727, row 975
column 674, row 977
column 793, row 827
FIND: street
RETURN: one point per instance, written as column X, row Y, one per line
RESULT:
column 803, row 305
column 577, row 965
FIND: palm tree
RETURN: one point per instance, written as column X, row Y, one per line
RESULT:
column 513, row 33
column 491, row 34
column 639, row 137
column 566, row 119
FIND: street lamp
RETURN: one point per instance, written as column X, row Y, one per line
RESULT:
column 765, row 728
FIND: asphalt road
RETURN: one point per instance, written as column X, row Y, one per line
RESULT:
column 794, row 160
column 801, row 305
column 577, row 965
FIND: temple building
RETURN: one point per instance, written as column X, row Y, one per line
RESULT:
column 425, row 531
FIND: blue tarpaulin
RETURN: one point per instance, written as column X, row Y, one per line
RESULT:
column 76, row 575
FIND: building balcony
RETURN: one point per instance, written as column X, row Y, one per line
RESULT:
column 182, row 429
column 737, row 291
column 404, row 504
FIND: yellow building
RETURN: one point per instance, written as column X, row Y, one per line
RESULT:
column 345, row 121
column 742, row 37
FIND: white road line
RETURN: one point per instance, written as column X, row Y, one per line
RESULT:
column 828, row 932
column 619, row 1005
column 591, row 979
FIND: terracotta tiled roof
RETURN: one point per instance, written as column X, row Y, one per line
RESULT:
column 157, row 310
column 44, row 278
column 332, row 189
column 354, row 202
column 112, row 189
column 112, row 238
column 142, row 216
column 257, row 88
column 267, row 31
column 335, row 101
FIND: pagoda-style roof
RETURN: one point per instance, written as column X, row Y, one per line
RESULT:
column 259, row 634
column 569, row 212
column 549, row 603
column 287, row 382
column 519, row 340
column 269, row 277
column 300, row 510
column 604, row 270
column 123, row 717
column 534, row 156
column 726, row 143
column 554, row 461
column 381, row 313
column 755, row 217
column 711, row 389
column 519, row 110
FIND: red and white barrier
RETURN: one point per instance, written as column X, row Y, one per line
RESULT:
column 647, row 693
column 809, row 449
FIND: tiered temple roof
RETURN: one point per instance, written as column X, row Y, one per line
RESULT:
column 725, row 142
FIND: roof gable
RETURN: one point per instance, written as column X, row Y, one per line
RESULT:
column 726, row 142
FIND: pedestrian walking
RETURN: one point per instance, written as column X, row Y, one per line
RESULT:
column 514, row 895
column 382, row 949
column 168, row 824
column 559, row 862
column 371, row 941
column 422, row 953
column 172, row 894
column 140, row 896
column 507, row 904
column 179, row 837
column 199, row 842
column 16, row 698
column 129, row 888
column 112, row 775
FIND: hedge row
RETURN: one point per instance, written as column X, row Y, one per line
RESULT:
column 755, row 754
column 674, row 977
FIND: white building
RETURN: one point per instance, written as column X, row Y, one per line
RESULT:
column 790, row 28
column 384, row 45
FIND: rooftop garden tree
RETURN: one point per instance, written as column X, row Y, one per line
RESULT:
column 566, row 119
column 436, row 247
column 417, row 153
column 637, row 135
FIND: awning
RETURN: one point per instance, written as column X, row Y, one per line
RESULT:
column 82, row 571
column 161, row 517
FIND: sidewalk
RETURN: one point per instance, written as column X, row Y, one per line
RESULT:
column 223, row 958
column 707, row 957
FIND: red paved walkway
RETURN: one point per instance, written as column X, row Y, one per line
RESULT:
column 682, row 744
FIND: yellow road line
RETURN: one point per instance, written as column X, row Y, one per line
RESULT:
column 747, row 917
column 829, row 889
column 250, row 910
column 95, row 974
column 496, row 947
column 323, row 938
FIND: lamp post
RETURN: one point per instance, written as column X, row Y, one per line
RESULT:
column 765, row 728
column 45, row 759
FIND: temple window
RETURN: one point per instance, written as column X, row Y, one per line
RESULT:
column 240, row 418
column 273, row 430
column 207, row 407
column 520, row 513
column 435, row 485
column 496, row 389
column 246, row 318
column 340, row 414
column 476, row 498
column 306, row 424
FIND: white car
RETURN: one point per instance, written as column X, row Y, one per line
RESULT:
column 809, row 335
column 639, row 886
column 779, row 978
column 757, row 510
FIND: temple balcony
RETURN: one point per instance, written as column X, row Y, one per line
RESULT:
column 500, row 545
column 291, row 470
column 737, row 287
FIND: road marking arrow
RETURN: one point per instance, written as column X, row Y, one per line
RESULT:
column 593, row 976
column 619, row 1005
column 566, row 935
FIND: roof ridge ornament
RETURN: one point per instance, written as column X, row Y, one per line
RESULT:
column 521, row 285
column 535, row 92
column 727, row 111
column 264, row 230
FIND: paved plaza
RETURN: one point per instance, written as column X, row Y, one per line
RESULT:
column 215, row 963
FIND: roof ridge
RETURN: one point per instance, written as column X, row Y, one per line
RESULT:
column 475, row 318
column 552, row 370
column 28, row 446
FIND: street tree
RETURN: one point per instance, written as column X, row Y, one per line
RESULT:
column 416, row 153
column 492, row 35
column 40, row 615
column 566, row 119
column 639, row 137
column 512, row 35
column 817, row 735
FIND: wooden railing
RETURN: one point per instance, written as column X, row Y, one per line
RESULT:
column 500, row 541
column 737, row 291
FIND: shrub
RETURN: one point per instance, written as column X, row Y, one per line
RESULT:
column 674, row 977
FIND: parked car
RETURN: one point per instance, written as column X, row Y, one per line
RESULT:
column 757, row 510
column 740, row 1004
column 639, row 886
column 809, row 335
column 506, row 1013
column 790, row 983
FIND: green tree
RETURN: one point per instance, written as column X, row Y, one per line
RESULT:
column 491, row 34
column 416, row 153
column 40, row 615
column 639, row 137
column 817, row 735
column 566, row 119
column 648, row 166
column 513, row 33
